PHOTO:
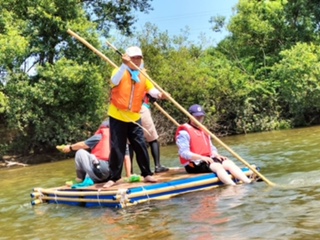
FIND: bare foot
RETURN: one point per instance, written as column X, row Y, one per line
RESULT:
column 108, row 184
column 79, row 180
column 150, row 179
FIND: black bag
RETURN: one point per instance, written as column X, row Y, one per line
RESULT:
column 97, row 169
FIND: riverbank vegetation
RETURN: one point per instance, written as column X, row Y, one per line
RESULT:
column 263, row 76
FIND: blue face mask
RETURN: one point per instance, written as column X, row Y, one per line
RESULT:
column 134, row 75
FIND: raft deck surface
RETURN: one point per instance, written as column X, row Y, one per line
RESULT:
column 171, row 183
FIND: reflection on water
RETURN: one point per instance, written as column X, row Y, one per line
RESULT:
column 255, row 211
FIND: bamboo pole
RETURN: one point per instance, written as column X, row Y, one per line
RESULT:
column 75, row 193
column 122, row 204
column 91, row 47
column 169, row 188
column 175, row 103
column 168, row 196
column 86, row 200
column 36, row 202
column 166, row 114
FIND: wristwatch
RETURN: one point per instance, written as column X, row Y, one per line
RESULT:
column 70, row 147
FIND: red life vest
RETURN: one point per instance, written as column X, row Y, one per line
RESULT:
column 199, row 141
column 128, row 95
column 102, row 149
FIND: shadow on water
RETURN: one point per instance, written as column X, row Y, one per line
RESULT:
column 255, row 211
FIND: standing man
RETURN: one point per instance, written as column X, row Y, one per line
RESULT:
column 150, row 133
column 128, row 89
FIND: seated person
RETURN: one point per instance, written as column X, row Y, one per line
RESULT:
column 95, row 164
column 198, row 154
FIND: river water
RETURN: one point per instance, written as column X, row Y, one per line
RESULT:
column 289, row 210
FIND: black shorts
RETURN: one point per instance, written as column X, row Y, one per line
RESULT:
column 202, row 167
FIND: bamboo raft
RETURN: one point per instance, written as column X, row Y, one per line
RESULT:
column 172, row 183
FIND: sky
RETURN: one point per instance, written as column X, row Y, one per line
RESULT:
column 175, row 15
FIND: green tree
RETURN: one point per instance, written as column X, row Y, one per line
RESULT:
column 117, row 13
column 56, row 87
column 262, row 29
column 50, row 111
column 257, row 34
column 297, row 76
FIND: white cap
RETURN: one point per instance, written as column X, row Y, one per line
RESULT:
column 134, row 51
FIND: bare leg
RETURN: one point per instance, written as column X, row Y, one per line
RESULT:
column 221, row 173
column 235, row 171
column 127, row 165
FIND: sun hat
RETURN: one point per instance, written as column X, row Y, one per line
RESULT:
column 196, row 110
column 134, row 51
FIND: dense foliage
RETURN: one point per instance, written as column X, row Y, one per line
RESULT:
column 263, row 76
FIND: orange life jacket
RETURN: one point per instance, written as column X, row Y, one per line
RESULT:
column 199, row 141
column 128, row 95
column 102, row 149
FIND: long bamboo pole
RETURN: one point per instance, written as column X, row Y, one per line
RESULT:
column 96, row 51
column 166, row 114
column 175, row 103
column 72, row 193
